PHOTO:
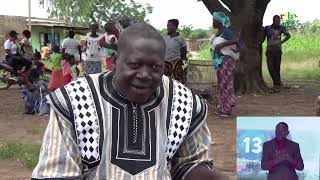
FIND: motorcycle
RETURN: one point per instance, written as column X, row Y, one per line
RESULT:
column 6, row 80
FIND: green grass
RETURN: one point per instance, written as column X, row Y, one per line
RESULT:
column 27, row 154
column 300, row 57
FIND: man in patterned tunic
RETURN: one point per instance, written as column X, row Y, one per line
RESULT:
column 131, row 123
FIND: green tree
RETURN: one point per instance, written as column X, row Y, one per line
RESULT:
column 163, row 31
column 199, row 34
column 186, row 30
column 84, row 12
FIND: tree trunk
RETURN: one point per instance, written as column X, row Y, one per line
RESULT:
column 246, row 17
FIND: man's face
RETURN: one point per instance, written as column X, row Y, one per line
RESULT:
column 276, row 21
column 171, row 27
column 14, row 37
column 93, row 30
column 281, row 132
column 27, row 36
column 125, row 23
column 139, row 69
column 215, row 24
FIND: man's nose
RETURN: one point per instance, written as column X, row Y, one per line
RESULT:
column 144, row 73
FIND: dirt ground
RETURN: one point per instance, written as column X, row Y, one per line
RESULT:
column 299, row 100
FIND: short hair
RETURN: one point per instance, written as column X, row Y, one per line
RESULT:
column 56, row 48
column 95, row 25
column 26, row 33
column 34, row 73
column 276, row 17
column 139, row 30
column 71, row 34
column 283, row 124
column 13, row 33
column 66, row 56
column 108, row 26
column 174, row 21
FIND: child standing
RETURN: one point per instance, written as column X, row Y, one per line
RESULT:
column 56, row 80
column 109, row 43
column 66, row 68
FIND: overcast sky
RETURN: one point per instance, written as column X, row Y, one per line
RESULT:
column 193, row 12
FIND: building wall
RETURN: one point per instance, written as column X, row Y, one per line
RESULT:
column 35, row 38
column 36, row 31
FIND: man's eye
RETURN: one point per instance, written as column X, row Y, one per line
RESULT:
column 157, row 67
column 134, row 65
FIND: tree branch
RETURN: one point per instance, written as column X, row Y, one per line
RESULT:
column 229, row 4
column 262, row 6
column 215, row 5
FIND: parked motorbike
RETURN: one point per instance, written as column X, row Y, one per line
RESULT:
column 6, row 71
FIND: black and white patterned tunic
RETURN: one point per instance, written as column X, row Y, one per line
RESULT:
column 95, row 133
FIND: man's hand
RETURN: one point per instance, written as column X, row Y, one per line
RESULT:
column 288, row 157
column 280, row 157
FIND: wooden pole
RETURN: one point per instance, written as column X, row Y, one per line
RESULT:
column 29, row 9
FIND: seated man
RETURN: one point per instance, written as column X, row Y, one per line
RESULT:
column 130, row 123
column 33, row 94
column 13, row 57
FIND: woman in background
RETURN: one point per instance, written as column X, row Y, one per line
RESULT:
column 109, row 43
column 224, row 49
column 56, row 80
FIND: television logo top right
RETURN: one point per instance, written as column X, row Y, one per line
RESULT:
column 289, row 20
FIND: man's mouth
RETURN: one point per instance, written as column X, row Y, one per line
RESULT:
column 141, row 88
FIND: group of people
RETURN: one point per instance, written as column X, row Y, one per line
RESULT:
column 96, row 51
column 225, row 48
column 20, row 56
column 133, row 121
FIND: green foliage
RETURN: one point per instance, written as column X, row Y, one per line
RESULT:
column 163, row 31
column 199, row 34
column 85, row 12
column 186, row 30
column 190, row 33
column 27, row 154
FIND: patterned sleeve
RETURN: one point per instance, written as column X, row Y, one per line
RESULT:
column 195, row 149
column 59, row 155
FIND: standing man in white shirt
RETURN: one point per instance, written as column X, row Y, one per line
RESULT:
column 72, row 47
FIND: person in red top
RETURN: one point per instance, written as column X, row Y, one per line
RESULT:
column 281, row 156
column 66, row 68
